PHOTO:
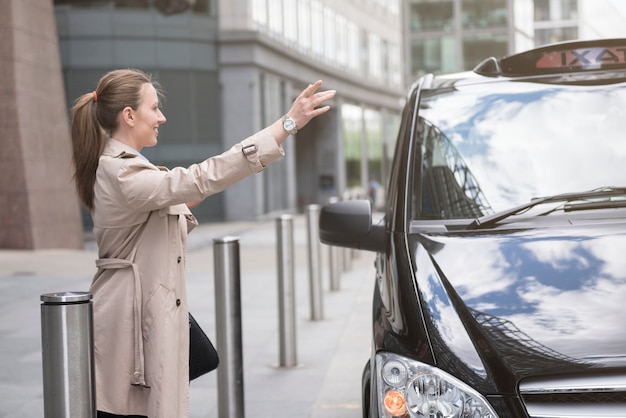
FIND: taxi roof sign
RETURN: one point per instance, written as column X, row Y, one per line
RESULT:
column 565, row 57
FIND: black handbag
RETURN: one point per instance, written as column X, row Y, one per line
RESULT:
column 203, row 356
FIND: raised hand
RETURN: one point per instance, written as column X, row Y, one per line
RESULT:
column 307, row 104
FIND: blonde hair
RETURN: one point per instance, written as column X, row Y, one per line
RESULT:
column 94, row 117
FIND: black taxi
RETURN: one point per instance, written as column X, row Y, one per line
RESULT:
column 500, row 274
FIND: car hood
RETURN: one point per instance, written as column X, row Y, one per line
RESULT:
column 528, row 302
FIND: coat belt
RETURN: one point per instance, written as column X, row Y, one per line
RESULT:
column 139, row 378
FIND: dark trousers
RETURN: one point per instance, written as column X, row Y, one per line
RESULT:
column 107, row 415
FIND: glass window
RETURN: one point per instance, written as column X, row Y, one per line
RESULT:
column 484, row 13
column 275, row 17
column 373, row 126
column 364, row 52
column 542, row 10
column 434, row 55
column 477, row 48
column 275, row 195
column 395, row 65
column 375, row 52
column 304, row 24
column 556, row 10
column 384, row 58
column 373, row 136
column 290, row 21
column 330, row 36
column 552, row 35
column 259, row 13
column 342, row 41
column 394, row 6
column 352, row 120
column 354, row 47
column 317, row 27
column 431, row 15
column 569, row 9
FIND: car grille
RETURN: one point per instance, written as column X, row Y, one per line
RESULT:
column 576, row 397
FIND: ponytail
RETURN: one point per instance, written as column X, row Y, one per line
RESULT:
column 87, row 144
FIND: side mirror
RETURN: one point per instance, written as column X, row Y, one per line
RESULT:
column 350, row 224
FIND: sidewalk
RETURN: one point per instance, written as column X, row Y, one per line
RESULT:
column 331, row 352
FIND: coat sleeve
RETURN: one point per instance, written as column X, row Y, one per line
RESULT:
column 147, row 188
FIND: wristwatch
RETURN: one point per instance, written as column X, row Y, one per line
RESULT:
column 289, row 125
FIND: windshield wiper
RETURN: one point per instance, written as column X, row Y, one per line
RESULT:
column 604, row 204
column 489, row 221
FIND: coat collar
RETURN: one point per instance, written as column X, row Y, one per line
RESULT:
column 116, row 149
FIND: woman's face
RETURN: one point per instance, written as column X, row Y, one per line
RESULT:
column 147, row 118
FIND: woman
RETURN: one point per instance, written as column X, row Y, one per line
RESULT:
column 141, row 219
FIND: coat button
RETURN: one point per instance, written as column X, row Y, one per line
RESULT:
column 179, row 259
column 177, row 302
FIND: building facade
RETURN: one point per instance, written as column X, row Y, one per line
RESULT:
column 444, row 36
column 556, row 21
column 230, row 68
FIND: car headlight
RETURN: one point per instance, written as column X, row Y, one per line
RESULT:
column 408, row 388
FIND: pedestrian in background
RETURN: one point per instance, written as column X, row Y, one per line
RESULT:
column 141, row 218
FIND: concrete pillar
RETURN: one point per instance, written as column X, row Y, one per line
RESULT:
column 38, row 204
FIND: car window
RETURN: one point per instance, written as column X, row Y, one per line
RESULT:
column 486, row 148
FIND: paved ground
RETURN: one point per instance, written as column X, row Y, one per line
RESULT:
column 330, row 352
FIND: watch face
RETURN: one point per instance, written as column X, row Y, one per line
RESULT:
column 289, row 124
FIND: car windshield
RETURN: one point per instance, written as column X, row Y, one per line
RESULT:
column 486, row 148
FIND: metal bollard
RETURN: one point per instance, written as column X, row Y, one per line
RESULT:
column 347, row 259
column 230, row 399
column 69, row 389
column 286, row 292
column 315, row 281
column 334, row 261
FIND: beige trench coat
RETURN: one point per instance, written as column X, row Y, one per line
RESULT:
column 141, row 329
